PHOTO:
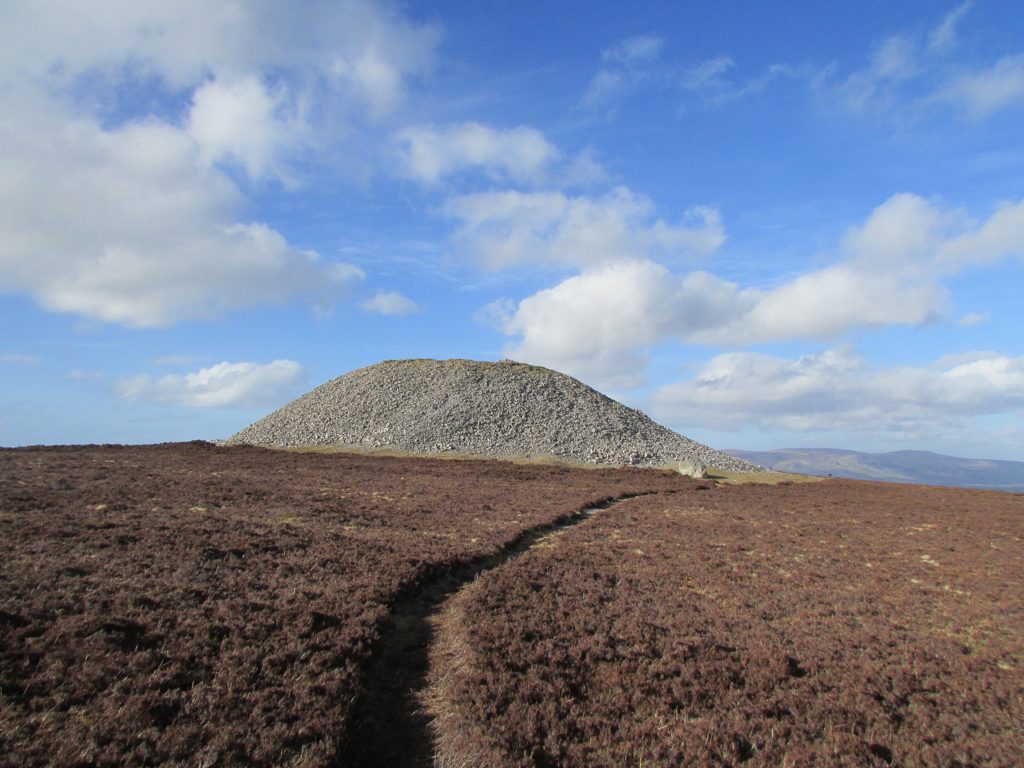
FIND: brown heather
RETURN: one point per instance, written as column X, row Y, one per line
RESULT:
column 839, row 623
column 194, row 605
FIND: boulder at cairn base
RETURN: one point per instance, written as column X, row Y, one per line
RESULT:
column 692, row 468
column 493, row 410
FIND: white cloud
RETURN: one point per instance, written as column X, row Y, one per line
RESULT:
column 357, row 47
column 225, row 385
column 707, row 74
column 999, row 237
column 581, row 171
column 594, row 325
column 877, row 86
column 605, row 85
column 974, row 318
column 909, row 74
column 980, row 94
column 943, row 36
column 710, row 80
column 241, row 122
column 429, row 154
column 390, row 303
column 380, row 51
column 598, row 324
column 18, row 359
column 634, row 64
column 633, row 50
column 628, row 64
column 127, row 226
column 128, row 215
column 830, row 301
column 836, row 390
column 901, row 231
column 888, row 276
column 506, row 229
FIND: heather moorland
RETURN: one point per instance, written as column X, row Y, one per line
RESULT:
column 192, row 604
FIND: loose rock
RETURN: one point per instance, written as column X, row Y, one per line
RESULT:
column 500, row 410
column 692, row 468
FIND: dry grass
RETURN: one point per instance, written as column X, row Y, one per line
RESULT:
column 721, row 476
column 726, row 477
column 396, row 453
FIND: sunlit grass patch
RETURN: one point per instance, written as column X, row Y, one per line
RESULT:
column 727, row 477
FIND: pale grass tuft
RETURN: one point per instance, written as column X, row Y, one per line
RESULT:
column 726, row 477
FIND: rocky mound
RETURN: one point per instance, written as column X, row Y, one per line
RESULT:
column 479, row 409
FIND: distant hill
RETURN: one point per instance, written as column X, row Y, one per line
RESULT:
column 898, row 466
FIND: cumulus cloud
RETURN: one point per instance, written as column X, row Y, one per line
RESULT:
column 126, row 226
column 887, row 276
column 380, row 53
column 134, row 216
column 838, row 390
column 825, row 303
column 900, row 232
column 390, row 303
column 225, row 385
column 598, row 324
column 998, row 237
column 510, row 228
column 242, row 122
column 357, row 47
column 428, row 153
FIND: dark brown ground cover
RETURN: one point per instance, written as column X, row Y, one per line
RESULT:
column 213, row 606
column 834, row 623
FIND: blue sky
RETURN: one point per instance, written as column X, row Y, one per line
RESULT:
column 767, row 225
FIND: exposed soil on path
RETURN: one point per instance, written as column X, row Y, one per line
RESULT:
column 194, row 605
column 186, row 604
column 390, row 725
column 840, row 623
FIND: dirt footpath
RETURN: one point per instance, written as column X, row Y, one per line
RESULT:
column 193, row 605
column 834, row 623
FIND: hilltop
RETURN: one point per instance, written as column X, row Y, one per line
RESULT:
column 504, row 409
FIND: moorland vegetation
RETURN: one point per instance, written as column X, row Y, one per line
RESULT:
column 198, row 605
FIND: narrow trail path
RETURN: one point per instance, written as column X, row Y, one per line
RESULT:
column 389, row 727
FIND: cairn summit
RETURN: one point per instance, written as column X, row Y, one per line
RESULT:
column 497, row 410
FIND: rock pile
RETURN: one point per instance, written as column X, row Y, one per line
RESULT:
column 503, row 409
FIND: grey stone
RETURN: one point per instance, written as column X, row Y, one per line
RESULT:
column 691, row 467
column 505, row 409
